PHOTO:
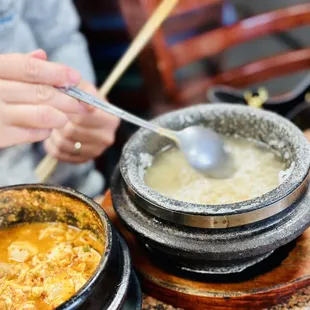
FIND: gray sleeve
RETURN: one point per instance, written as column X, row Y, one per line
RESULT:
column 55, row 24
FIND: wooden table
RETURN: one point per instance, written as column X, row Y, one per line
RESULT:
column 291, row 278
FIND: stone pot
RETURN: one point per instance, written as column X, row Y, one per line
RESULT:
column 223, row 238
column 113, row 285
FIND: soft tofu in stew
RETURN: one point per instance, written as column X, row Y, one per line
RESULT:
column 44, row 264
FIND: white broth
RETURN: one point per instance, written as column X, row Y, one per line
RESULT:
column 257, row 172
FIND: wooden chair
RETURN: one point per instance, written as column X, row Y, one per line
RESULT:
column 190, row 18
column 170, row 58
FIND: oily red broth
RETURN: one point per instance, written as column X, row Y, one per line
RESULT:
column 44, row 264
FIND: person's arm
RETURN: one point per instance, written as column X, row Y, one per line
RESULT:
column 55, row 24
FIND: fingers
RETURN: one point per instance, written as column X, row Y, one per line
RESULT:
column 64, row 150
column 95, row 138
column 88, row 88
column 61, row 145
column 32, row 116
column 99, row 136
column 28, row 68
column 96, row 119
column 12, row 136
column 39, row 94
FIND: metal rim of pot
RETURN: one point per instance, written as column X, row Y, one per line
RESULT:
column 218, row 216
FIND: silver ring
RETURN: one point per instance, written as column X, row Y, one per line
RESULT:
column 77, row 148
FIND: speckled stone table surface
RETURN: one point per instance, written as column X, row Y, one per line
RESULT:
column 299, row 301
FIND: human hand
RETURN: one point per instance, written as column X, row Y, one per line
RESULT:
column 30, row 107
column 94, row 130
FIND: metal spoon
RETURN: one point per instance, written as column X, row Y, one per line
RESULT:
column 203, row 148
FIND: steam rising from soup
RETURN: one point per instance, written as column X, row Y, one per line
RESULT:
column 258, row 171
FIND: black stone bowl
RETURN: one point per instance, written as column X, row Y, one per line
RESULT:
column 223, row 238
column 112, row 286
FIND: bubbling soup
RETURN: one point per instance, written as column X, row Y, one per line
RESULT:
column 258, row 171
column 44, row 264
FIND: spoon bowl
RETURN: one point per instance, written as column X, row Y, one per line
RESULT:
column 205, row 151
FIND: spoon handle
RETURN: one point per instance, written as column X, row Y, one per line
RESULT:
column 110, row 108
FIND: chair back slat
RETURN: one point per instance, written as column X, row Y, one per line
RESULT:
column 216, row 41
column 196, row 44
column 251, row 73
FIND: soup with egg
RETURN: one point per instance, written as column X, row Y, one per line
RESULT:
column 258, row 171
column 44, row 264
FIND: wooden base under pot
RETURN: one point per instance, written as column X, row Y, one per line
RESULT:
column 269, row 283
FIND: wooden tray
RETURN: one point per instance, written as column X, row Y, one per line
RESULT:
column 260, row 291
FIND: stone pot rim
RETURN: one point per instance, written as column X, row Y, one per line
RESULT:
column 132, row 178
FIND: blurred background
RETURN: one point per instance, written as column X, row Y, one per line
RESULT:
column 145, row 89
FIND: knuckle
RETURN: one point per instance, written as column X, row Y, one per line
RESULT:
column 70, row 105
column 69, row 132
column 79, row 120
column 3, row 84
column 45, row 115
column 117, row 122
column 44, row 93
column 71, row 101
column 97, row 152
column 31, row 69
column 60, row 145
column 88, row 87
column 114, row 121
column 110, row 139
column 5, row 115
